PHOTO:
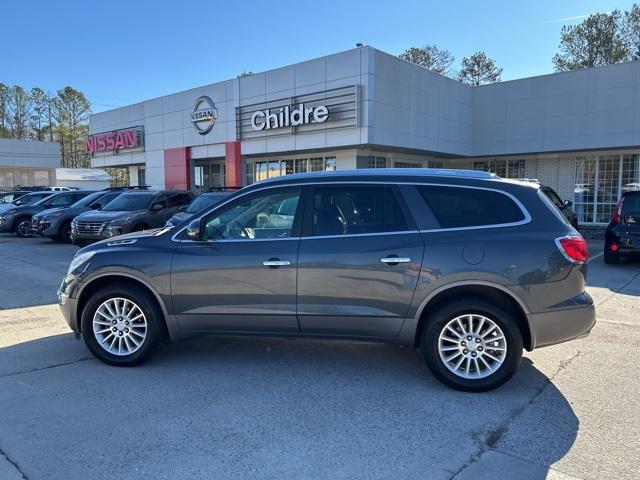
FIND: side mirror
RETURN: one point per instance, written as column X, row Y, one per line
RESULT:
column 193, row 230
column 568, row 203
column 156, row 207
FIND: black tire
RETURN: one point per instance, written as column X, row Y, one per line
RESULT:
column 64, row 234
column 443, row 314
column 611, row 258
column 22, row 227
column 155, row 324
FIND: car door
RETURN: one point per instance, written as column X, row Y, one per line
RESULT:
column 241, row 277
column 359, row 261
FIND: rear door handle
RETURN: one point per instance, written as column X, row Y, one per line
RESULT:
column 395, row 259
column 275, row 263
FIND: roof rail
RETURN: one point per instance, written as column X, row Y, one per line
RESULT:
column 134, row 187
column 221, row 189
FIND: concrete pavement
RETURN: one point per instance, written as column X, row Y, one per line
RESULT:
column 273, row 408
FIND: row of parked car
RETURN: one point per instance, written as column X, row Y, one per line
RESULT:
column 81, row 216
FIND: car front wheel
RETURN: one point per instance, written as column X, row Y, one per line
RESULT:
column 23, row 227
column 122, row 325
column 471, row 345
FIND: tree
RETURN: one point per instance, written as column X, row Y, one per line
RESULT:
column 5, row 93
column 631, row 31
column 478, row 69
column 71, row 113
column 246, row 73
column 598, row 40
column 38, row 119
column 20, row 111
column 430, row 57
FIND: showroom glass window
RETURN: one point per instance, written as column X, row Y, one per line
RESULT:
column 355, row 209
column 502, row 168
column 600, row 181
column 276, row 168
column 266, row 215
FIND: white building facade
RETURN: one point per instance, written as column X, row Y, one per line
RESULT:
column 578, row 132
column 28, row 162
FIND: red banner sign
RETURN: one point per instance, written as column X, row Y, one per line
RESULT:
column 113, row 141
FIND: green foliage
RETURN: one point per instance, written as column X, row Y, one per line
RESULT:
column 37, row 115
column 430, row 57
column 598, row 40
column 479, row 69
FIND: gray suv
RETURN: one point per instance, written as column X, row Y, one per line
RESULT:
column 129, row 212
column 465, row 266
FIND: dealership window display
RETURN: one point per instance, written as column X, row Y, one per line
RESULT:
column 600, row 181
column 502, row 168
column 275, row 168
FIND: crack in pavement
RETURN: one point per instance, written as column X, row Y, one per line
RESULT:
column 487, row 441
column 12, row 462
column 37, row 369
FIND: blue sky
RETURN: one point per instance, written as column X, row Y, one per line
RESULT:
column 120, row 52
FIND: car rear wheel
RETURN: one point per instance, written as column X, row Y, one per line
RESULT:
column 23, row 227
column 611, row 258
column 122, row 325
column 471, row 345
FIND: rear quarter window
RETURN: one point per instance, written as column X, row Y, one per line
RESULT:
column 458, row 207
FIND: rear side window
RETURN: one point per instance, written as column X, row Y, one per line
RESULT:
column 356, row 209
column 456, row 207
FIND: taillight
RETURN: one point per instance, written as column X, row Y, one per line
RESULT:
column 574, row 248
column 617, row 212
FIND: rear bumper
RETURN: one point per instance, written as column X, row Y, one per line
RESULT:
column 561, row 325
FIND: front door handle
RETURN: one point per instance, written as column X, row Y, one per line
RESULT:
column 395, row 260
column 275, row 263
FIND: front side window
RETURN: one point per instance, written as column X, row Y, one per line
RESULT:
column 353, row 210
column 266, row 215
column 459, row 207
column 180, row 199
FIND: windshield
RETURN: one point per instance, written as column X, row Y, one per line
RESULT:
column 129, row 202
column 204, row 201
column 88, row 200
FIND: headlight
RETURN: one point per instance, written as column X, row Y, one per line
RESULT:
column 80, row 259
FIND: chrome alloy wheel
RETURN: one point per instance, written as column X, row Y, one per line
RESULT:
column 472, row 346
column 119, row 326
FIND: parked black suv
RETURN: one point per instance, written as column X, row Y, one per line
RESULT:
column 205, row 200
column 130, row 212
column 563, row 206
column 55, row 223
column 622, row 237
column 466, row 266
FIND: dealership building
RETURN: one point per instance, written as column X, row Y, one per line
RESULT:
column 578, row 132
column 28, row 162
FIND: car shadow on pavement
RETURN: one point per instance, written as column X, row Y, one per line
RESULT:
column 260, row 407
column 623, row 276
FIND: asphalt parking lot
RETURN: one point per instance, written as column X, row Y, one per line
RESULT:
column 272, row 408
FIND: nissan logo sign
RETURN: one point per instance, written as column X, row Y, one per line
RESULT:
column 204, row 115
